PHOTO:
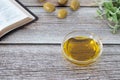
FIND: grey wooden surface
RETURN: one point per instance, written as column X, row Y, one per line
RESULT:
column 33, row 52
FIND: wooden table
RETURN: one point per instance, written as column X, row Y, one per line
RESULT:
column 33, row 52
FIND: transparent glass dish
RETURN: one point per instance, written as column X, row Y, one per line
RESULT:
column 79, row 43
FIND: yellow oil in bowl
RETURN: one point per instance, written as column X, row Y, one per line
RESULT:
column 81, row 50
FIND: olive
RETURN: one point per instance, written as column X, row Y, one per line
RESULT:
column 74, row 5
column 49, row 7
column 62, row 13
column 41, row 0
column 62, row 2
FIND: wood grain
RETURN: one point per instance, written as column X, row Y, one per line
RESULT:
column 49, row 29
column 45, row 62
column 37, row 3
column 33, row 52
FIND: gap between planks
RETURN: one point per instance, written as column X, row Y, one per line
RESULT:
column 37, row 3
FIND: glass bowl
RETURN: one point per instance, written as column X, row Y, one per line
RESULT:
column 81, row 47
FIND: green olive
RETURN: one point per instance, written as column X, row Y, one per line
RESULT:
column 62, row 13
column 62, row 2
column 74, row 5
column 41, row 0
column 49, row 7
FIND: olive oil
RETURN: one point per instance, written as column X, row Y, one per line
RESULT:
column 81, row 49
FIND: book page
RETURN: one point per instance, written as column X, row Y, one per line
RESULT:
column 9, row 14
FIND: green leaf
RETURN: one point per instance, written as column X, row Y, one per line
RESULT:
column 111, row 11
column 108, row 5
column 99, row 13
column 115, row 20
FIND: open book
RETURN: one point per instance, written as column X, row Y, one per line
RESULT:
column 13, row 15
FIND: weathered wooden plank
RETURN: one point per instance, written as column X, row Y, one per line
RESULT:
column 49, row 29
column 37, row 3
column 45, row 62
